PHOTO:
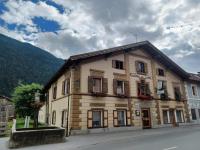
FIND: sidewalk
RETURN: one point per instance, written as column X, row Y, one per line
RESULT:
column 79, row 141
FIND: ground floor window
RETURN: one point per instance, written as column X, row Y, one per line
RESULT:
column 63, row 118
column 54, row 117
column 121, row 115
column 193, row 112
column 97, row 118
column 179, row 116
column 166, row 117
column 121, row 118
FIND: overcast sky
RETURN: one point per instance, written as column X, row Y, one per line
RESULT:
column 67, row 27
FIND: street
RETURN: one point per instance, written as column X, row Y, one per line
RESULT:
column 181, row 138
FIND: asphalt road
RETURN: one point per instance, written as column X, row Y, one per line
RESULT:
column 181, row 138
column 172, row 139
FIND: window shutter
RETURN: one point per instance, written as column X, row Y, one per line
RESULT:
column 89, row 117
column 146, row 68
column 105, row 85
column 63, row 87
column 126, row 88
column 90, row 84
column 128, row 116
column 113, row 63
column 68, row 86
column 115, row 118
column 115, row 86
column 105, row 118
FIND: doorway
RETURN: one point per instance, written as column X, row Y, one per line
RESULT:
column 146, row 118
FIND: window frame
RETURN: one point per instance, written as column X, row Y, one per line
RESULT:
column 182, row 117
column 101, row 116
column 101, row 84
column 125, row 117
column 139, row 69
column 118, row 64
column 53, row 117
column 195, row 115
column 54, row 91
column 179, row 92
column 158, row 72
column 194, row 90
column 123, row 87
column 168, row 117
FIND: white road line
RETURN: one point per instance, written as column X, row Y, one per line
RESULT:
column 170, row 148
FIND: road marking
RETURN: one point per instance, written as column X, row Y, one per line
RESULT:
column 170, row 148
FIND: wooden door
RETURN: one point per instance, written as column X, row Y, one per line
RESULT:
column 146, row 118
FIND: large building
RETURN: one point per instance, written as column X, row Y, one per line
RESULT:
column 193, row 97
column 125, row 87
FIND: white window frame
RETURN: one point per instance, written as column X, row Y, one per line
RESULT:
column 125, row 116
column 168, row 117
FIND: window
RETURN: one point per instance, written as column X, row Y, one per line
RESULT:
column 162, row 89
column 177, row 93
column 63, row 119
column 194, row 90
column 121, row 117
column 120, row 87
column 54, row 117
column 97, row 85
column 141, row 67
column 179, row 116
column 65, row 87
column 193, row 112
column 118, row 64
column 96, row 119
column 161, row 72
column 54, row 92
column 166, row 117
column 143, row 89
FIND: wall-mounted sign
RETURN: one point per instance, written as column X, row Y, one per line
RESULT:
column 137, row 113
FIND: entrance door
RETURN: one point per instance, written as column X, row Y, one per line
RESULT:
column 146, row 118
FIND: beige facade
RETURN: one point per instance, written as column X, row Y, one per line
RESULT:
column 86, row 110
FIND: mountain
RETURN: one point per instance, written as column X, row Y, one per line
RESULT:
column 23, row 62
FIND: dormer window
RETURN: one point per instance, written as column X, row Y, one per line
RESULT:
column 161, row 72
column 118, row 64
column 141, row 67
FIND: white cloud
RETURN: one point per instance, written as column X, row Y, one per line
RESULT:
column 172, row 26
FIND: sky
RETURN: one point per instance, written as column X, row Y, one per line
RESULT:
column 68, row 27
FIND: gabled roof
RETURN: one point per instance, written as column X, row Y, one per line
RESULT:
column 145, row 45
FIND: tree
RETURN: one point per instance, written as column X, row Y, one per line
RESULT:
column 23, row 96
